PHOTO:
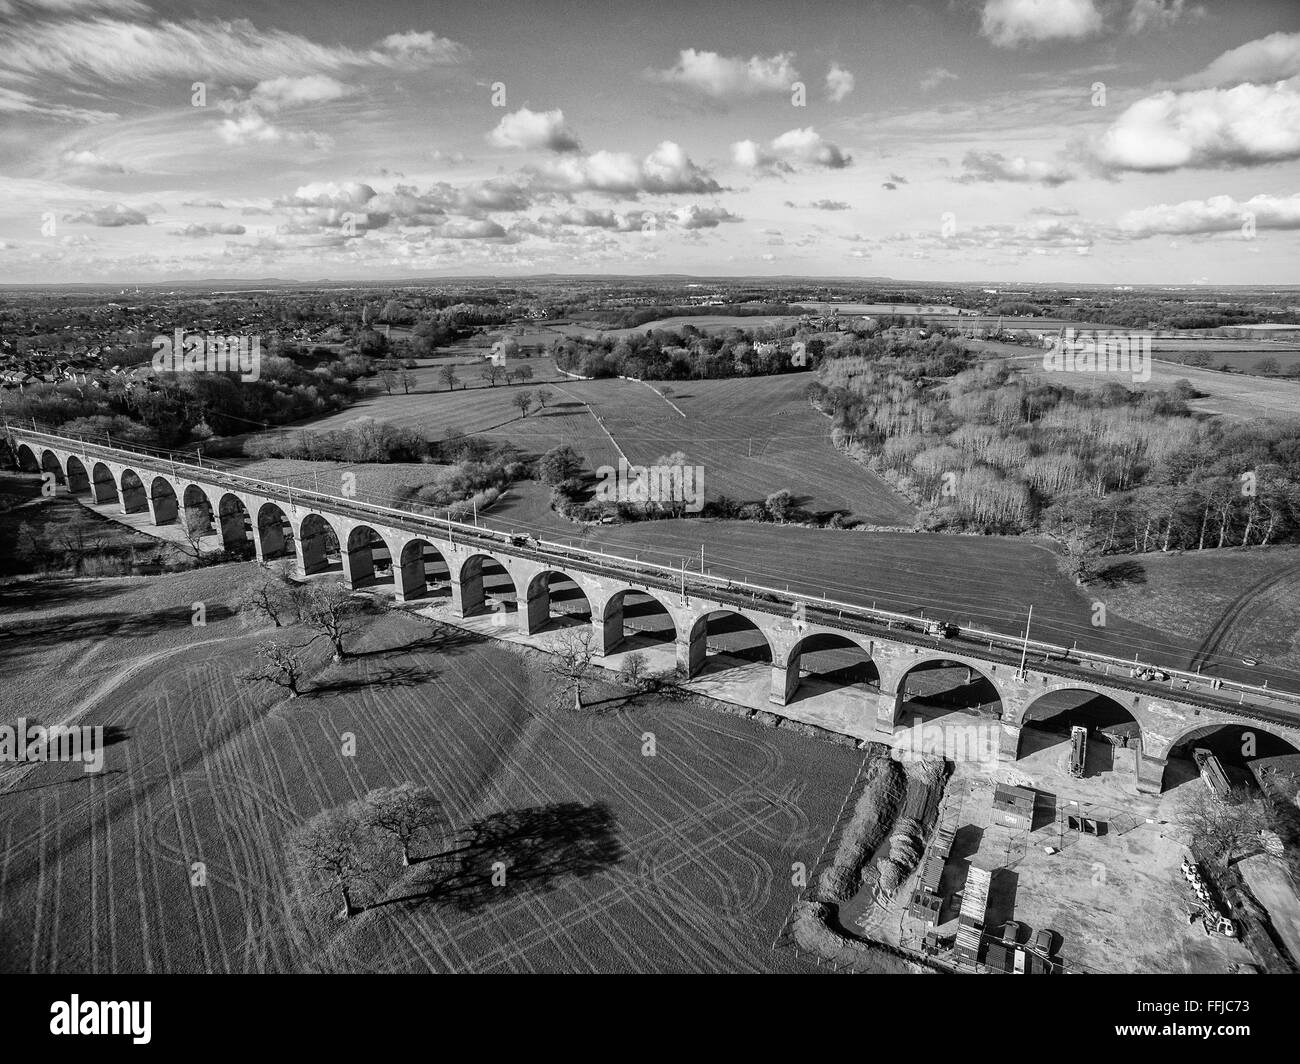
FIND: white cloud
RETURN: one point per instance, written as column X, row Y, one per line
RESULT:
column 839, row 83
column 665, row 170
column 1218, row 214
column 936, row 76
column 723, row 76
column 1270, row 58
column 532, row 130
column 109, row 217
column 221, row 229
column 1008, row 23
column 91, row 161
column 278, row 93
column 1156, row 14
column 1247, row 125
column 988, row 166
column 92, row 51
column 785, row 153
column 252, row 128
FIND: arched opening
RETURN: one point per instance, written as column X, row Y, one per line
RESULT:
column 78, row 480
column 828, row 661
column 134, row 497
column 555, row 601
column 236, row 525
column 424, row 572
column 485, row 585
column 27, row 460
column 1049, row 720
column 636, row 621
column 103, row 486
column 50, row 464
column 198, row 511
column 369, row 561
column 319, row 545
column 162, row 501
column 725, row 640
column 936, row 688
column 274, row 533
column 1239, row 749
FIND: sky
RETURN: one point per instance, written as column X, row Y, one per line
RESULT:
column 1071, row 141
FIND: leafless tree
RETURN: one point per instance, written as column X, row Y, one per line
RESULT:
column 335, row 853
column 331, row 609
column 570, row 660
column 267, row 595
column 280, row 666
column 406, row 812
column 1225, row 829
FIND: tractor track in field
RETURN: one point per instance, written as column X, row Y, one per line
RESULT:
column 1260, row 593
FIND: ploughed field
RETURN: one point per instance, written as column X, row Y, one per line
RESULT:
column 173, row 858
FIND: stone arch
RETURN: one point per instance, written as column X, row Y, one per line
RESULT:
column 822, row 660
column 27, row 460
column 50, row 464
column 942, row 685
column 1224, row 739
column 555, row 600
column 198, row 510
column 368, row 559
column 163, row 505
column 103, row 486
column 318, row 546
column 78, row 478
column 132, row 492
column 236, row 524
column 483, row 582
column 274, row 533
column 732, row 635
column 422, row 571
column 1047, row 720
column 637, row 621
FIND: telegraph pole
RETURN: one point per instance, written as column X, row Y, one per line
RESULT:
column 1024, row 651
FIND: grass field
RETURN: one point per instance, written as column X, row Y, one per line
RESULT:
column 753, row 436
column 100, row 873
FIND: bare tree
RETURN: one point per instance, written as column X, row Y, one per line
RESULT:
column 523, row 400
column 331, row 609
column 388, row 378
column 280, row 666
column 267, row 595
column 543, row 395
column 1228, row 828
column 491, row 373
column 447, row 376
column 571, row 657
column 406, row 812
column 335, row 853
column 408, row 381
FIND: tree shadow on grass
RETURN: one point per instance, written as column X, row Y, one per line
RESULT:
column 38, row 635
column 36, row 594
column 386, row 676
column 538, row 846
column 444, row 641
column 1122, row 574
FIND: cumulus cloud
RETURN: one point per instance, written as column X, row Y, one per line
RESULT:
column 986, row 166
column 1272, row 58
column 839, row 83
column 697, row 217
column 223, row 229
column 1008, row 23
column 666, row 170
column 277, row 93
column 214, row 203
column 531, row 130
column 91, row 161
column 1218, row 214
column 722, row 77
column 786, row 153
column 109, row 217
column 1054, row 212
column 936, row 76
column 1247, row 125
column 253, row 128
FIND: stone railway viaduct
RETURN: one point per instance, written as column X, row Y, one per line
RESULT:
column 425, row 553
